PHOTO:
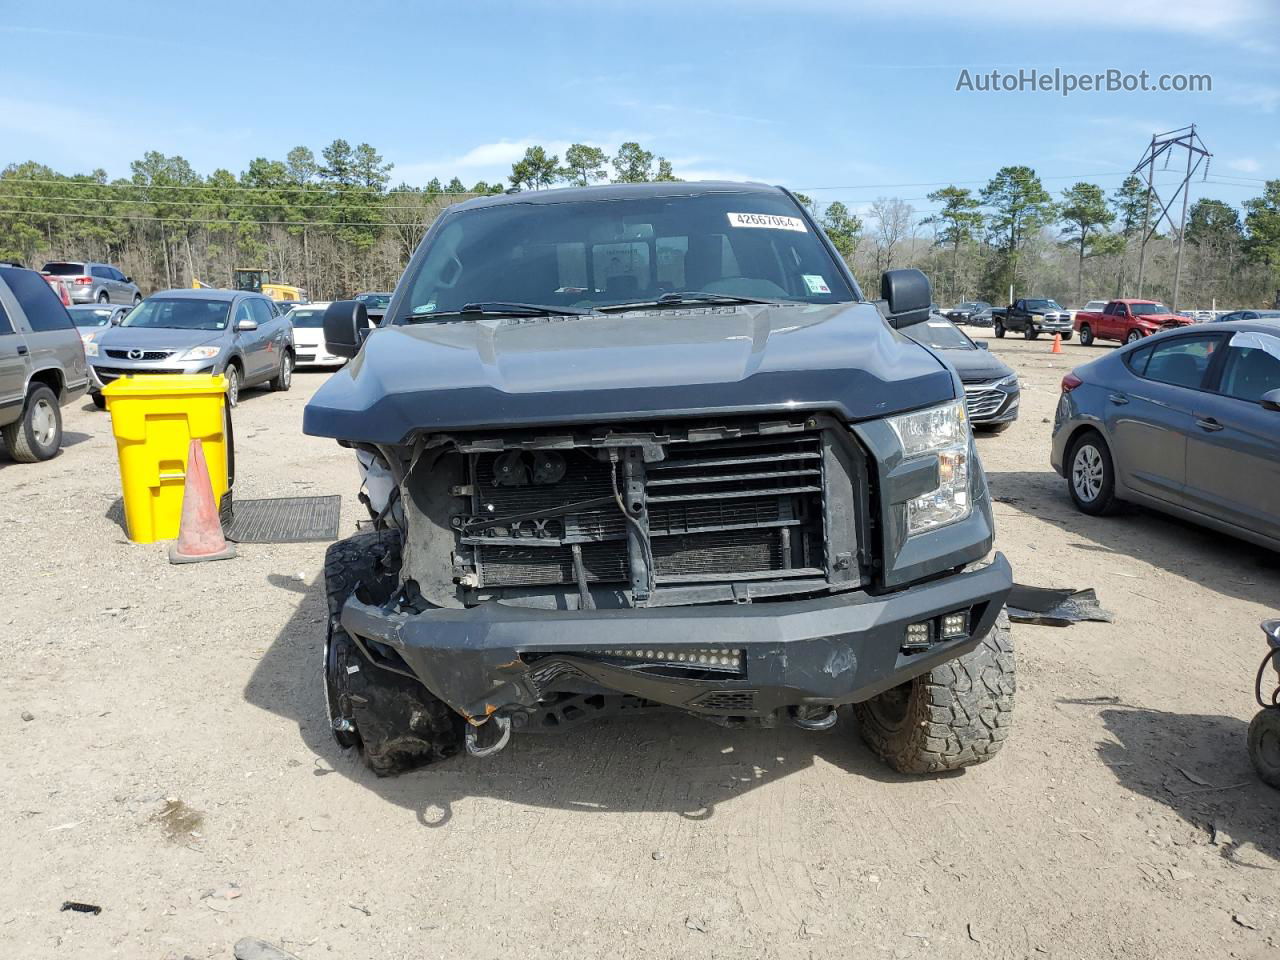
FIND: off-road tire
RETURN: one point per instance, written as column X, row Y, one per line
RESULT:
column 283, row 379
column 1264, row 745
column 397, row 723
column 1086, row 335
column 998, row 329
column 31, row 439
column 956, row 715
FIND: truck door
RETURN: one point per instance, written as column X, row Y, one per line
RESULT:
column 1233, row 460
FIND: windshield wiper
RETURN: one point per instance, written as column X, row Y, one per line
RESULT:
column 501, row 308
column 687, row 297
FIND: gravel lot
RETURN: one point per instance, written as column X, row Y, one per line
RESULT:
column 168, row 759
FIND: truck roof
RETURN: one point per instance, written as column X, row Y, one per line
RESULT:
column 619, row 191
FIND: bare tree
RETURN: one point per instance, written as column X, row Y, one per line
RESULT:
column 892, row 227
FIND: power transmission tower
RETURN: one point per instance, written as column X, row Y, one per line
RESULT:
column 1165, row 144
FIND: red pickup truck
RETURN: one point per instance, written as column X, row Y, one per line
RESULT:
column 1126, row 321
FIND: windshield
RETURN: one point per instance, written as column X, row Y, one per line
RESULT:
column 594, row 253
column 1142, row 309
column 179, row 314
column 1043, row 305
column 63, row 269
column 307, row 319
column 939, row 334
column 374, row 300
column 90, row 316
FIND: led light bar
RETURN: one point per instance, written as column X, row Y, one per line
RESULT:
column 918, row 634
column 955, row 625
column 702, row 656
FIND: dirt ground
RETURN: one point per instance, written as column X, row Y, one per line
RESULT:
column 167, row 758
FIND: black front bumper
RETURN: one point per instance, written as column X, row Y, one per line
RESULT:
column 840, row 649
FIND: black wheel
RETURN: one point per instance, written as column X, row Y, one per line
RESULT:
column 1031, row 333
column 998, row 329
column 283, row 379
column 1086, row 335
column 99, row 400
column 394, row 720
column 1264, row 746
column 104, row 297
column 37, row 435
column 1091, row 475
column 232, row 373
column 1133, row 337
column 1066, row 336
column 956, row 715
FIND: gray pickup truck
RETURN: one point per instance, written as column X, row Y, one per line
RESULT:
column 42, row 365
column 648, row 447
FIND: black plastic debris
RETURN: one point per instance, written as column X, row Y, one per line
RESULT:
column 79, row 907
column 1054, row 608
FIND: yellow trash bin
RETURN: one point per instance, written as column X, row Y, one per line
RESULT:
column 155, row 417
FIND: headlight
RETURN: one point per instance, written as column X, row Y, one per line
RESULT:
column 90, row 347
column 200, row 353
column 1010, row 381
column 941, row 432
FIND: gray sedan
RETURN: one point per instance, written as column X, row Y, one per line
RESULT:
column 1185, row 422
column 237, row 334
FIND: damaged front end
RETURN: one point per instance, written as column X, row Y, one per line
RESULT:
column 734, row 569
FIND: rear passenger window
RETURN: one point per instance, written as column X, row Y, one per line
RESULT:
column 5, row 325
column 1252, row 366
column 1136, row 360
column 38, row 301
column 101, row 272
column 1182, row 362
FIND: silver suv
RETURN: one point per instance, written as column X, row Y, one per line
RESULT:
column 93, row 282
column 237, row 334
column 42, row 365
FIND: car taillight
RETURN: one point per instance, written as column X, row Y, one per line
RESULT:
column 1070, row 382
column 84, row 279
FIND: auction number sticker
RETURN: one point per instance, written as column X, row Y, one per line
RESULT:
column 768, row 221
column 816, row 283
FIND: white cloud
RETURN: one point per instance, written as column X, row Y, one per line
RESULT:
column 1245, row 165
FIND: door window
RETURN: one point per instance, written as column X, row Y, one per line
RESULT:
column 38, row 301
column 242, row 313
column 1182, row 362
column 261, row 312
column 5, row 325
column 1252, row 366
column 101, row 273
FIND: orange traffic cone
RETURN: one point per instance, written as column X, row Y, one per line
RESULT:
column 200, row 534
column 1057, row 343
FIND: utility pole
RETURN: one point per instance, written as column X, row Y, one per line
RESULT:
column 1184, row 138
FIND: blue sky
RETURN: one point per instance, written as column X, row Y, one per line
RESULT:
column 845, row 100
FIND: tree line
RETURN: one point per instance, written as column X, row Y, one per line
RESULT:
column 334, row 224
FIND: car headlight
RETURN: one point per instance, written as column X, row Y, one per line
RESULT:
column 941, row 432
column 1010, row 381
column 200, row 353
column 90, row 346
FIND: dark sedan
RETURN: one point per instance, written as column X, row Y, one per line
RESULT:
column 991, row 391
column 1248, row 315
column 1185, row 422
column 961, row 312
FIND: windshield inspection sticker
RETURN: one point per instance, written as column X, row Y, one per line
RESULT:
column 815, row 283
column 768, row 221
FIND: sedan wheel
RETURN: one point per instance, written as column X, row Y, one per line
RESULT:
column 1091, row 477
column 104, row 297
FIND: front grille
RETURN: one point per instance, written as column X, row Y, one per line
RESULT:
column 982, row 401
column 111, row 373
column 738, row 509
column 306, row 357
column 146, row 355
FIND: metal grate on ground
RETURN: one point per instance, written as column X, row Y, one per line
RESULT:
column 285, row 520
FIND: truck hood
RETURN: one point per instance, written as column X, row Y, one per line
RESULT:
column 516, row 372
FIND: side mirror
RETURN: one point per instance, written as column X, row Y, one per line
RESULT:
column 1271, row 400
column 128, row 279
column 906, row 296
column 244, row 326
column 346, row 324
column 982, row 345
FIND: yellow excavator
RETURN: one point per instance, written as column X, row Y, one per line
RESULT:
column 259, row 281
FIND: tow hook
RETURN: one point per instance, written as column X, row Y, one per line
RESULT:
column 499, row 739
column 814, row 717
